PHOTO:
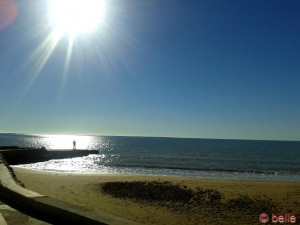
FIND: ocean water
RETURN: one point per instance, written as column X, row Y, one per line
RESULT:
column 203, row 158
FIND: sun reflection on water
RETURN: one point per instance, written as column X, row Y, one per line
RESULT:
column 66, row 141
column 93, row 163
column 87, row 164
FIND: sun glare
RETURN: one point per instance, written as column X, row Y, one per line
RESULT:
column 68, row 19
column 66, row 141
column 74, row 17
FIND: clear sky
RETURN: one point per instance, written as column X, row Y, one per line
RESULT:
column 176, row 68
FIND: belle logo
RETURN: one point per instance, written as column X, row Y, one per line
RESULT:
column 286, row 218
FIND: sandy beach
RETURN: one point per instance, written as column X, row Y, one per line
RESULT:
column 85, row 190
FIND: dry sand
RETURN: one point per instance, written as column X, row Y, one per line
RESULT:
column 84, row 190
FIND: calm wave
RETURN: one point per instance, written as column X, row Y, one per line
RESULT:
column 276, row 160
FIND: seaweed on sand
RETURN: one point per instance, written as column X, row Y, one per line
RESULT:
column 200, row 206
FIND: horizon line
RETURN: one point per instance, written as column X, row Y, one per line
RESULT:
column 143, row 136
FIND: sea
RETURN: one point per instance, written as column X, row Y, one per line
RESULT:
column 183, row 157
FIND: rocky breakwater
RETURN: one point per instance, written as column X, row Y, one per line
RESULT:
column 16, row 155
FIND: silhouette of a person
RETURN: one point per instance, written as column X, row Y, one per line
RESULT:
column 74, row 145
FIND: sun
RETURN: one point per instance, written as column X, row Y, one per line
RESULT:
column 75, row 17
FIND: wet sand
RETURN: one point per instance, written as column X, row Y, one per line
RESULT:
column 85, row 190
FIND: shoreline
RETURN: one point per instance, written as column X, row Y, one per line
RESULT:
column 157, row 175
column 175, row 177
column 84, row 190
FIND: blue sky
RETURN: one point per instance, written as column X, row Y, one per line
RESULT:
column 197, row 68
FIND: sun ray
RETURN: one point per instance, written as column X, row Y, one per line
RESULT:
column 42, row 54
column 68, row 57
column 39, row 58
column 67, row 64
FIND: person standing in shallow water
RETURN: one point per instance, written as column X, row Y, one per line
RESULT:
column 74, row 145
